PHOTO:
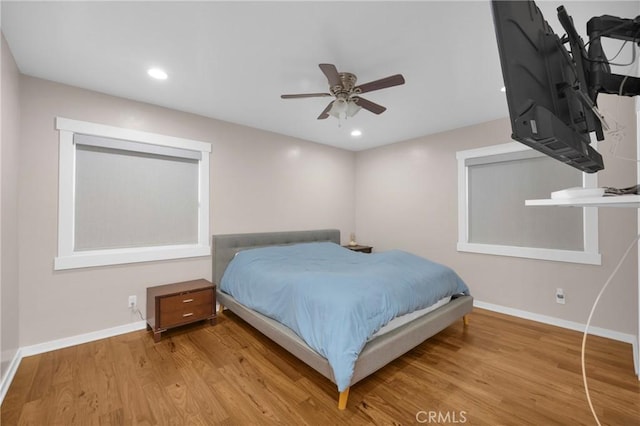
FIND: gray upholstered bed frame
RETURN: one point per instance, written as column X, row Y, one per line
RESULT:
column 376, row 354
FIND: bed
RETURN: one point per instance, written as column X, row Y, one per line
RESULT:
column 375, row 354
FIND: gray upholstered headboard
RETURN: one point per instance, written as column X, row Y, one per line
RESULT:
column 224, row 247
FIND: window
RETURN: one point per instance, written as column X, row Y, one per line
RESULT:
column 493, row 184
column 127, row 196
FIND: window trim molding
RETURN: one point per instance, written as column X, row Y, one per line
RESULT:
column 67, row 257
column 590, row 253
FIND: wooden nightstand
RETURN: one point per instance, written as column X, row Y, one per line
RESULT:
column 361, row 249
column 177, row 304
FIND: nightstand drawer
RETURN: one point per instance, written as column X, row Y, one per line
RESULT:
column 183, row 301
column 185, row 315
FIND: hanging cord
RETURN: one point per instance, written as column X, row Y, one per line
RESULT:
column 136, row 310
column 618, row 133
column 586, row 328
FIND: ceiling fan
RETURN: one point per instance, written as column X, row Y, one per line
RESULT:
column 342, row 86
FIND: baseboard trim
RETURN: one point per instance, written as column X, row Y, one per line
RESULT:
column 571, row 325
column 5, row 382
column 81, row 338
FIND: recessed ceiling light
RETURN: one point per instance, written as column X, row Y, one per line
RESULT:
column 356, row 133
column 157, row 73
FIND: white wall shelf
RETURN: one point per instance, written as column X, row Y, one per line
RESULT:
column 632, row 201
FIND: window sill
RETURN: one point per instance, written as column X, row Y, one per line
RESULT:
column 87, row 259
column 533, row 253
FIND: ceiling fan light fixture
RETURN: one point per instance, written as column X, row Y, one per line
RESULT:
column 339, row 108
column 343, row 108
column 352, row 108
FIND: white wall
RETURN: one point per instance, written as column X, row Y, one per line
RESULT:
column 260, row 181
column 406, row 197
column 9, row 289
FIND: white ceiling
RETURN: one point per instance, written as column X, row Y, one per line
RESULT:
column 232, row 60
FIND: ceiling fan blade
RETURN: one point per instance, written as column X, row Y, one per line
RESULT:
column 305, row 95
column 331, row 72
column 368, row 105
column 325, row 114
column 383, row 83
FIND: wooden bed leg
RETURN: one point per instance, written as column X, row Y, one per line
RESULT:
column 220, row 308
column 342, row 400
column 465, row 319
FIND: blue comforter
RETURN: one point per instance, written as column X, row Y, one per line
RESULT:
column 334, row 298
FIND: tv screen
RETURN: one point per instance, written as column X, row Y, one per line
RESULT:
column 547, row 96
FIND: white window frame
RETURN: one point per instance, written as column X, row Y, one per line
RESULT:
column 590, row 253
column 68, row 257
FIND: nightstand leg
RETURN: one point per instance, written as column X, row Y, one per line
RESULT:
column 156, row 336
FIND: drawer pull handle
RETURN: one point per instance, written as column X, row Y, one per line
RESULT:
column 187, row 300
column 187, row 315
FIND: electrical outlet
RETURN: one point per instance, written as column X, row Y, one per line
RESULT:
column 560, row 298
column 133, row 301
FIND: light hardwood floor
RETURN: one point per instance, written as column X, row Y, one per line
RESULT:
column 498, row 370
